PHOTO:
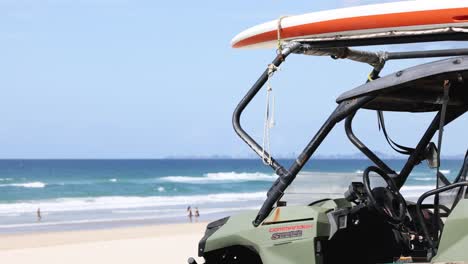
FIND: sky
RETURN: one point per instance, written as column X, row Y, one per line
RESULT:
column 155, row 79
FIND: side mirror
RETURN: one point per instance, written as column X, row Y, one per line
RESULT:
column 432, row 156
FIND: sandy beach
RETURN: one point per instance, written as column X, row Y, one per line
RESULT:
column 172, row 243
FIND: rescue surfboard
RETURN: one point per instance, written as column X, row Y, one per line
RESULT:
column 405, row 19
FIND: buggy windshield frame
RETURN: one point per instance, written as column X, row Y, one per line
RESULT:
column 348, row 104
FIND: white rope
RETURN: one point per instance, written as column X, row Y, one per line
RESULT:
column 278, row 34
column 269, row 118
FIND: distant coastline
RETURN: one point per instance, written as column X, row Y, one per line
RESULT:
column 355, row 156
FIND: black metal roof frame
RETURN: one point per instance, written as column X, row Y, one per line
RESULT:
column 418, row 88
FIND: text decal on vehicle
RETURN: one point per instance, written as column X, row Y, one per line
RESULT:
column 289, row 228
column 291, row 231
column 289, row 234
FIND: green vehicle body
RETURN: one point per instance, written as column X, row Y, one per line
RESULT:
column 238, row 230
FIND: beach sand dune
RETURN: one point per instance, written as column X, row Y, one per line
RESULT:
column 149, row 244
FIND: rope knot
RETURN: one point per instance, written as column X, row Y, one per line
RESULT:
column 272, row 69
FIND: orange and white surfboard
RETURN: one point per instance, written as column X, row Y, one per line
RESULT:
column 418, row 16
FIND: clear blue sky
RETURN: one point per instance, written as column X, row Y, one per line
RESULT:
column 151, row 79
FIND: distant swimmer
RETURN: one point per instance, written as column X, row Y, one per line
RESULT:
column 39, row 216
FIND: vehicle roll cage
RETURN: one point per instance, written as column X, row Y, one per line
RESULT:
column 419, row 205
column 345, row 110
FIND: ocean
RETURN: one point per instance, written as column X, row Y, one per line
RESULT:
column 80, row 194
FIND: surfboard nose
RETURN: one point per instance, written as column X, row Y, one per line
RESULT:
column 235, row 41
column 260, row 36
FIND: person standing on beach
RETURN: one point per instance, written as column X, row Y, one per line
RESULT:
column 189, row 213
column 39, row 216
column 197, row 214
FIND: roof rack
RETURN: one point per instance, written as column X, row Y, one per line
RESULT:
column 373, row 58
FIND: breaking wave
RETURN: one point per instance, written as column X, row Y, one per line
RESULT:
column 25, row 185
column 221, row 177
column 125, row 202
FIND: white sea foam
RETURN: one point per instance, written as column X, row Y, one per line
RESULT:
column 221, row 177
column 161, row 189
column 122, row 202
column 413, row 192
column 149, row 215
column 5, row 179
column 179, row 212
column 359, row 171
column 417, row 188
column 113, row 180
column 445, row 171
column 425, row 178
column 25, row 185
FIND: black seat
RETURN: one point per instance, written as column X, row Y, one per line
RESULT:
column 464, row 170
column 460, row 178
column 450, row 198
